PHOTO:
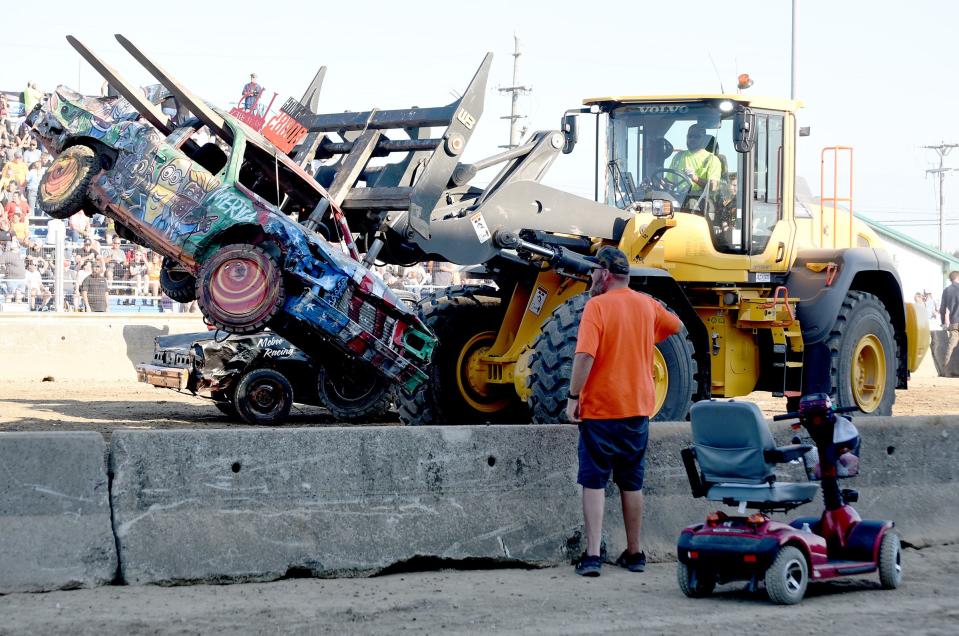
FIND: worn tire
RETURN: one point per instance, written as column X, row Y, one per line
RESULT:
column 64, row 186
column 862, row 319
column 227, row 409
column 355, row 395
column 552, row 363
column 263, row 397
column 694, row 583
column 890, row 561
column 788, row 576
column 458, row 319
column 240, row 288
column 177, row 283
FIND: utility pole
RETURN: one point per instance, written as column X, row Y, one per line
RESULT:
column 942, row 150
column 515, row 134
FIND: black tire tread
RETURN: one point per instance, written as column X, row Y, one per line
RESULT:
column 775, row 582
column 434, row 402
column 181, row 290
column 889, row 549
column 251, row 327
column 251, row 417
column 552, row 363
column 857, row 301
column 375, row 404
column 703, row 586
column 78, row 198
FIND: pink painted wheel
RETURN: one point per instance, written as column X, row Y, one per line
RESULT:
column 240, row 288
column 63, row 187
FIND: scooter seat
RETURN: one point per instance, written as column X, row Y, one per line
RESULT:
column 758, row 495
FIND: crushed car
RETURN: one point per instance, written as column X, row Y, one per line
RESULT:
column 258, row 377
column 213, row 212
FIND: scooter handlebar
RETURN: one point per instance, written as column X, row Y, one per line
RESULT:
column 795, row 415
column 786, row 416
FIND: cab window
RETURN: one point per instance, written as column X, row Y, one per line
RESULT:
column 767, row 180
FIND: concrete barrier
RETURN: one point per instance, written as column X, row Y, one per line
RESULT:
column 81, row 347
column 55, row 530
column 258, row 504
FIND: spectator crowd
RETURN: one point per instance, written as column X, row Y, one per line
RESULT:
column 97, row 265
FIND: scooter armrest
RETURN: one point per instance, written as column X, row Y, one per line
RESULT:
column 785, row 454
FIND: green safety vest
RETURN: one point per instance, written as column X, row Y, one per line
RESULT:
column 704, row 164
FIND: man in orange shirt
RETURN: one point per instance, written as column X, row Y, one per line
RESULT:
column 612, row 395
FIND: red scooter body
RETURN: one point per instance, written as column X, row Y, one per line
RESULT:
column 785, row 556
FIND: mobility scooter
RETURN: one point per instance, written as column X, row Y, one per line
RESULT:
column 732, row 460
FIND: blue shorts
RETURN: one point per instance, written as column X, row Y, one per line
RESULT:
column 613, row 446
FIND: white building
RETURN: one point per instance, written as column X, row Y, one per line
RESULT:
column 921, row 267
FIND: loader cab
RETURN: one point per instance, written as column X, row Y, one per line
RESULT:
column 724, row 159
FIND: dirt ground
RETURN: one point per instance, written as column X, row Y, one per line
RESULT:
column 548, row 601
column 106, row 406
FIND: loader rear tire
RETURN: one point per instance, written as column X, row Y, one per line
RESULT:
column 465, row 326
column 863, row 355
column 552, row 362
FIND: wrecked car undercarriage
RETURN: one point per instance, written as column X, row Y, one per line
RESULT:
column 258, row 377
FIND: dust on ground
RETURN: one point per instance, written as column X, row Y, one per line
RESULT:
column 547, row 601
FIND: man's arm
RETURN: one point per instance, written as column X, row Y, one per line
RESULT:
column 582, row 365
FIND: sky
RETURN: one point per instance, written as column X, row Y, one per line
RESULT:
column 880, row 77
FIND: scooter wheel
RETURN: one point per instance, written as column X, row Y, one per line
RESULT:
column 890, row 561
column 694, row 582
column 787, row 577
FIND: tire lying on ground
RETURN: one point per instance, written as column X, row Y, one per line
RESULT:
column 63, row 187
column 177, row 283
column 465, row 321
column 263, row 397
column 240, row 288
column 674, row 372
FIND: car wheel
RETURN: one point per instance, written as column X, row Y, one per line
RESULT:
column 177, row 283
column 263, row 397
column 353, row 392
column 240, row 288
column 63, row 187
column 787, row 577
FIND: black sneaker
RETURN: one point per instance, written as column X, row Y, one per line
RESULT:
column 589, row 566
column 632, row 562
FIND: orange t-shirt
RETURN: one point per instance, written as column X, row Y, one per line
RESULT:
column 619, row 330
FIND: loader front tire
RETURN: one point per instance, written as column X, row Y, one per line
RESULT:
column 674, row 368
column 456, row 392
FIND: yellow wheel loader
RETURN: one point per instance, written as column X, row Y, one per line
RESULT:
column 777, row 291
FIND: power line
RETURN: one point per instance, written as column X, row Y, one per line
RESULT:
column 942, row 150
column 515, row 134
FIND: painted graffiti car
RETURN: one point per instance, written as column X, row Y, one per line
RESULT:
column 212, row 210
column 258, row 377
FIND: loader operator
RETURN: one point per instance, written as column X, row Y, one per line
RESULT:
column 701, row 167
column 612, row 395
